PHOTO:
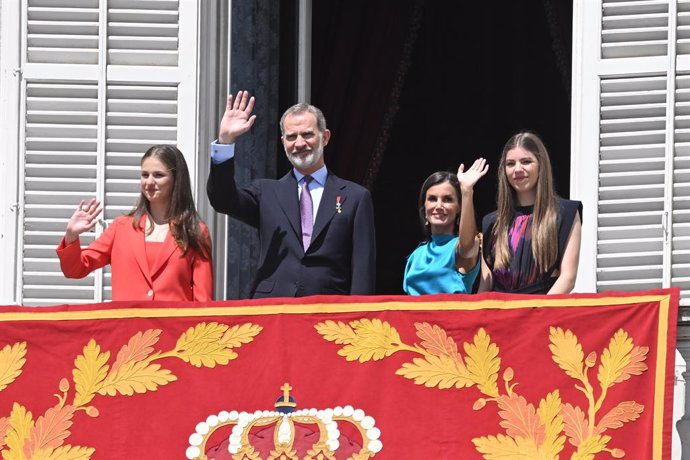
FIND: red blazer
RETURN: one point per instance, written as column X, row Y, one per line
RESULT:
column 174, row 277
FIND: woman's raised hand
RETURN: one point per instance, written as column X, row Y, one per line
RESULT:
column 83, row 219
column 470, row 177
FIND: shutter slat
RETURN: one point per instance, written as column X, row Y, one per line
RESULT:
column 148, row 4
column 631, row 205
column 634, row 165
column 633, row 111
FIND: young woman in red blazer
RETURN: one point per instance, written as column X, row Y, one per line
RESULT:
column 161, row 250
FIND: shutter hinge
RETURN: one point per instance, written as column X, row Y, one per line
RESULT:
column 17, row 71
column 664, row 226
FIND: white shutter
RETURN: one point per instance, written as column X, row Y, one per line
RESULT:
column 680, row 244
column 680, row 254
column 103, row 80
column 60, row 168
column 632, row 161
column 635, row 82
column 631, row 183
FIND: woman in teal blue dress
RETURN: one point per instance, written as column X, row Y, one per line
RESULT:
column 448, row 260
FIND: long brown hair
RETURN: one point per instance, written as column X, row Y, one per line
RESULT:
column 185, row 222
column 545, row 214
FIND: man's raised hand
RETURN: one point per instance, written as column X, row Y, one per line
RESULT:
column 237, row 118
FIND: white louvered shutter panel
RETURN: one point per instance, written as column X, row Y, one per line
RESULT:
column 103, row 82
column 680, row 244
column 631, row 183
column 633, row 149
column 60, row 167
column 636, row 82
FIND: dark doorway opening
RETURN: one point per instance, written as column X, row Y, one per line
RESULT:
column 410, row 87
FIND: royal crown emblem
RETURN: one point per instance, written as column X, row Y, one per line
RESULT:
column 287, row 433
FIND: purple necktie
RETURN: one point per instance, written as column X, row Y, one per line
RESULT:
column 306, row 210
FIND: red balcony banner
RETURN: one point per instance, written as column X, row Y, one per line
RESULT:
column 492, row 376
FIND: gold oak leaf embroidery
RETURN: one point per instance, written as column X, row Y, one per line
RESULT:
column 139, row 347
column 136, row 377
column 436, row 341
column 567, row 352
column 530, row 433
column 483, row 363
column 441, row 366
column 337, row 332
column 12, row 359
column 549, row 413
column 90, row 369
column 50, row 430
column 4, row 428
column 521, row 424
column 624, row 412
column 65, row 452
column 519, row 419
column 620, row 360
column 590, row 447
column 576, row 425
column 502, row 447
column 238, row 335
column 133, row 371
column 210, row 344
column 374, row 339
column 20, row 425
column 436, row 371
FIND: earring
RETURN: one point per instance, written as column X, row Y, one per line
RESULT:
column 426, row 223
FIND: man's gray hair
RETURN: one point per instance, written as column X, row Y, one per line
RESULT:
column 301, row 108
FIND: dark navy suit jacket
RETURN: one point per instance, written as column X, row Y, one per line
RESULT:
column 341, row 258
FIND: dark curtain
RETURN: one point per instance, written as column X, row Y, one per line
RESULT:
column 412, row 87
column 358, row 55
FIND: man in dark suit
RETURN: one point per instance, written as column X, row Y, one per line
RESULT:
column 316, row 230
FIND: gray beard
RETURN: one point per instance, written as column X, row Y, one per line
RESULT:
column 305, row 162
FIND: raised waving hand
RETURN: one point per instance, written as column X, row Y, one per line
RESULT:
column 469, row 178
column 237, row 118
column 83, row 219
column 468, row 243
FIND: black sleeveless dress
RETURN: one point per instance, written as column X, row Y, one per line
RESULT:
column 522, row 276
